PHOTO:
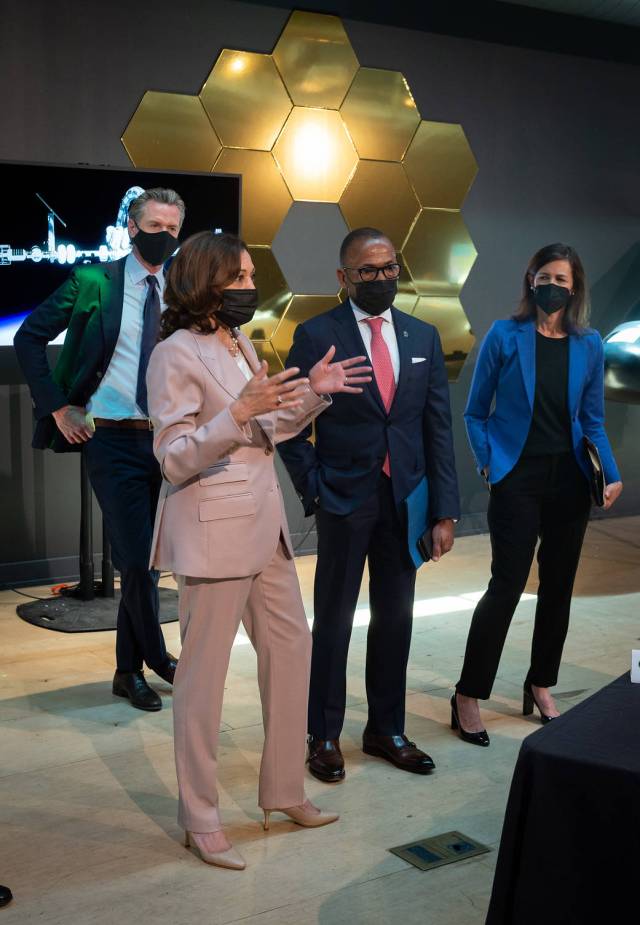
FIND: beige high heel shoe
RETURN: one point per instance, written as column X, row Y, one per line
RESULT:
column 230, row 858
column 301, row 816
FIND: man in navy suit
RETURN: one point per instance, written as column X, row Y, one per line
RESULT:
column 370, row 452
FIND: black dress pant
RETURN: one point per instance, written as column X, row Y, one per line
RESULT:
column 376, row 531
column 126, row 479
column 545, row 497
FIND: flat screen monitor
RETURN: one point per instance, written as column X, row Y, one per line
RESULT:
column 62, row 216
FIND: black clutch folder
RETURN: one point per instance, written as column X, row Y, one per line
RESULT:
column 596, row 471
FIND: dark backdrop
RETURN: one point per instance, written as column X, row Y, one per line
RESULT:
column 556, row 137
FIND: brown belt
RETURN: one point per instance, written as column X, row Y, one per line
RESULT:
column 130, row 423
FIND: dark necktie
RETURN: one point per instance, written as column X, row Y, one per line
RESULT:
column 150, row 330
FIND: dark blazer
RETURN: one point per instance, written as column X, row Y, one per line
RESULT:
column 353, row 435
column 501, row 399
column 89, row 305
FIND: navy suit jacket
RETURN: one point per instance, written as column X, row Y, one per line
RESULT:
column 89, row 305
column 341, row 470
column 505, row 378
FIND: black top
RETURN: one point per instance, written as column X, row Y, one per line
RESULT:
column 550, row 430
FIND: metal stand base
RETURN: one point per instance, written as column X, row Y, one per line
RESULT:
column 73, row 615
column 90, row 605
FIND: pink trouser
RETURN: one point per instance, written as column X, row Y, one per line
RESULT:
column 270, row 607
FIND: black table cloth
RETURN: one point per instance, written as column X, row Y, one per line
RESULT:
column 570, row 847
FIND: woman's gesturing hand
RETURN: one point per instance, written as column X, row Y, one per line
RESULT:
column 611, row 493
column 264, row 393
column 326, row 378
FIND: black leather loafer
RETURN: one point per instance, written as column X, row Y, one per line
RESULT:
column 5, row 896
column 168, row 670
column 132, row 684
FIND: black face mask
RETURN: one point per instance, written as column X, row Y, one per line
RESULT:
column 154, row 247
column 376, row 297
column 238, row 307
column 551, row 298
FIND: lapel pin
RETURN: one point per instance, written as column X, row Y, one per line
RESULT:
column 405, row 334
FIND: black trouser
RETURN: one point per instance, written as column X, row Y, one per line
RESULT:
column 126, row 478
column 375, row 531
column 544, row 497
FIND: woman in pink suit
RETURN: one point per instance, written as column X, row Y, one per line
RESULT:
column 221, row 528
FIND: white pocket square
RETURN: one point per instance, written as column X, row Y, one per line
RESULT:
column 418, row 359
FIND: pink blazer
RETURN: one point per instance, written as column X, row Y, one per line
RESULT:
column 220, row 512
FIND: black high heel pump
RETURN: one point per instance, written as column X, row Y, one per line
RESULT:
column 529, row 701
column 475, row 738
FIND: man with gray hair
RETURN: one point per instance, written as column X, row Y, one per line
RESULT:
column 95, row 401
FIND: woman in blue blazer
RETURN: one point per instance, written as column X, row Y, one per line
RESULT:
column 537, row 390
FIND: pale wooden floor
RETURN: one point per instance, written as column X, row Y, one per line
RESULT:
column 88, row 790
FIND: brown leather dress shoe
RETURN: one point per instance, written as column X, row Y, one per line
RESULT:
column 168, row 670
column 399, row 751
column 325, row 760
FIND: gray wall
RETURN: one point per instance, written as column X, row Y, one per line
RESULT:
column 556, row 138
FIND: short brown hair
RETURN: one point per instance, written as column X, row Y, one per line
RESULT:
column 576, row 316
column 205, row 265
column 168, row 197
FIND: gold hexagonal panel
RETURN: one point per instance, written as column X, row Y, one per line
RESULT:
column 380, row 195
column 301, row 308
column 246, row 100
column 171, row 131
column 265, row 351
column 440, row 165
column 316, row 60
column 265, row 197
column 439, row 253
column 273, row 291
column 315, row 154
column 455, row 331
column 380, row 113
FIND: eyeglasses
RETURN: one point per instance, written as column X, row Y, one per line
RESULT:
column 368, row 274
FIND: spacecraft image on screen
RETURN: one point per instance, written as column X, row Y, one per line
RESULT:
column 61, row 217
column 116, row 243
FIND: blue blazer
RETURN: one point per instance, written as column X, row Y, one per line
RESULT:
column 342, row 468
column 506, row 372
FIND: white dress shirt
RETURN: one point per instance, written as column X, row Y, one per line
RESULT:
column 388, row 332
column 244, row 366
column 115, row 397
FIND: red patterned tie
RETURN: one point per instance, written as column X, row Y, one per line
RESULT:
column 382, row 370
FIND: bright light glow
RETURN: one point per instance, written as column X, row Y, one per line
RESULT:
column 427, row 607
column 237, row 64
column 312, row 150
column 627, row 335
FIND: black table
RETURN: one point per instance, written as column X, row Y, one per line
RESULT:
column 570, row 848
